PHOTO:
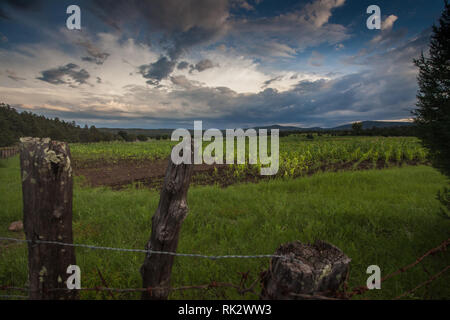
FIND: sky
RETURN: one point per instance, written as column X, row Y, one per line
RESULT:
column 229, row 63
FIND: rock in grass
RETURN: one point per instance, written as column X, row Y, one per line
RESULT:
column 16, row 226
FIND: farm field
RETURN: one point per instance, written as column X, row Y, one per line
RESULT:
column 118, row 164
column 385, row 217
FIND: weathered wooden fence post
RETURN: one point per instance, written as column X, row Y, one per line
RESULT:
column 314, row 270
column 47, row 215
column 166, row 224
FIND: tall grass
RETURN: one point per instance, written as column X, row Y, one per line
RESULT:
column 383, row 217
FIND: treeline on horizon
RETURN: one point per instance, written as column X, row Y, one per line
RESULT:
column 395, row 131
column 14, row 124
column 26, row 124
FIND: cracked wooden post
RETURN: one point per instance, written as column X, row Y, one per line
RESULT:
column 166, row 224
column 315, row 271
column 47, row 215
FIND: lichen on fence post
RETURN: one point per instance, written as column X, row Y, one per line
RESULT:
column 47, row 185
column 309, row 271
column 166, row 224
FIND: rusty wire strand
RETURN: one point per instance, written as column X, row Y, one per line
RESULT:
column 250, row 289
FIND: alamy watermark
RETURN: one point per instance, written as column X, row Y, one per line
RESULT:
column 73, row 22
column 374, row 21
column 374, row 281
column 213, row 153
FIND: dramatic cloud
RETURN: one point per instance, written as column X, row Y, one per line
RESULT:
column 307, row 27
column 190, row 23
column 67, row 74
column 231, row 63
column 319, row 12
column 185, row 83
column 158, row 70
column 95, row 54
column 268, row 82
column 183, row 23
column 388, row 36
column 183, row 65
column 202, row 65
column 242, row 4
column 383, row 91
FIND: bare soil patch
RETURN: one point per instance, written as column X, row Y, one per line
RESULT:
column 117, row 175
column 150, row 173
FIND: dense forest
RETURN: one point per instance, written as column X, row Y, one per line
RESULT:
column 14, row 125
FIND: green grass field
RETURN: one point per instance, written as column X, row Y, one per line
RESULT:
column 385, row 217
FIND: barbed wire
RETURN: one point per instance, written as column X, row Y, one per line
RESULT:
column 362, row 289
column 241, row 289
column 437, row 275
column 193, row 255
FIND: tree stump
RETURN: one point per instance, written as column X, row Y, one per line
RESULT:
column 47, row 215
column 166, row 225
column 310, row 271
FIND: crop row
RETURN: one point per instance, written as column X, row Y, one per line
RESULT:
column 297, row 155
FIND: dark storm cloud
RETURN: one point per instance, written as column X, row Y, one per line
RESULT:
column 158, row 70
column 184, row 23
column 95, row 54
column 183, row 65
column 385, row 89
column 202, row 65
column 268, row 82
column 88, row 59
column 68, row 74
column 326, row 103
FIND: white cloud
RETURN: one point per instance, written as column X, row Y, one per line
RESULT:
column 386, row 30
column 295, row 31
column 319, row 12
column 388, row 23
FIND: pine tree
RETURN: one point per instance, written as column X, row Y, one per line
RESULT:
column 433, row 98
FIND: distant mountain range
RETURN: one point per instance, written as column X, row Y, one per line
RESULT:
column 366, row 125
